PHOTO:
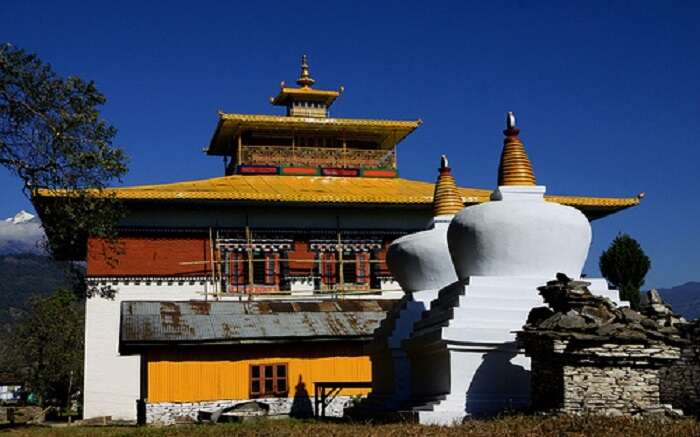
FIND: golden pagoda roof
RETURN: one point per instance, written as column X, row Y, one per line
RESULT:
column 286, row 93
column 330, row 191
column 305, row 89
column 390, row 132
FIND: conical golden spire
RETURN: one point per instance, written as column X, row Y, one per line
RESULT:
column 446, row 199
column 305, row 79
column 515, row 167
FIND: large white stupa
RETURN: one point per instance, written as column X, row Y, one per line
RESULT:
column 457, row 344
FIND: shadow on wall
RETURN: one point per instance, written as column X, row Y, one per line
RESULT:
column 301, row 405
column 498, row 385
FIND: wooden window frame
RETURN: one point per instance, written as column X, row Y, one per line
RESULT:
column 236, row 270
column 272, row 269
column 275, row 379
column 329, row 270
column 362, row 268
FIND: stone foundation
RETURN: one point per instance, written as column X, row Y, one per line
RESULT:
column 680, row 382
column 608, row 379
column 612, row 391
column 168, row 413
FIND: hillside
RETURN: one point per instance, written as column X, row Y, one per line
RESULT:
column 26, row 275
column 685, row 299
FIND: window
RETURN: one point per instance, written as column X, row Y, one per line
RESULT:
column 268, row 380
column 356, row 268
column 265, row 265
column 272, row 269
column 328, row 265
column 362, row 268
column 235, row 270
column 259, row 268
column 349, row 268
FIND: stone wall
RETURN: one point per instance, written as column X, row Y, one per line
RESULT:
column 168, row 413
column 613, row 391
column 591, row 357
column 609, row 379
column 680, row 382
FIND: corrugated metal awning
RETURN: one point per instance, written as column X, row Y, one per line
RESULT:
column 225, row 322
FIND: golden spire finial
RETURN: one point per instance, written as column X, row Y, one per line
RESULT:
column 515, row 167
column 305, row 80
column 446, row 199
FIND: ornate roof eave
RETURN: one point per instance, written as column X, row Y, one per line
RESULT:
column 327, row 191
column 393, row 131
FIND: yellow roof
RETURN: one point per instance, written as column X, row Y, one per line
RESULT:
column 388, row 132
column 331, row 190
column 328, row 97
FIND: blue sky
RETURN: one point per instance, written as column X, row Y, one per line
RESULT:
column 607, row 94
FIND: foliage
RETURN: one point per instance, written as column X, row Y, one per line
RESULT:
column 52, row 137
column 624, row 264
column 45, row 347
column 506, row 426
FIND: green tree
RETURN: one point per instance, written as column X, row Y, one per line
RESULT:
column 53, row 138
column 624, row 264
column 45, row 347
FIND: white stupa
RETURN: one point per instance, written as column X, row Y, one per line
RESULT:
column 462, row 352
column 420, row 262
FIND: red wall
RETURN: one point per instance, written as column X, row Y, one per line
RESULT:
column 148, row 256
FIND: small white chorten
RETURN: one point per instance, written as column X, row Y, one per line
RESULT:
column 420, row 263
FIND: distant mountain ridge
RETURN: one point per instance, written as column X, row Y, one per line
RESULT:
column 21, row 234
column 25, row 275
column 685, row 299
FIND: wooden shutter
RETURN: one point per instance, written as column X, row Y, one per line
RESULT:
column 272, row 269
column 362, row 267
column 327, row 268
column 235, row 270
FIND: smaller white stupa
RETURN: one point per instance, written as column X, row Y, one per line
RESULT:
column 420, row 262
column 462, row 356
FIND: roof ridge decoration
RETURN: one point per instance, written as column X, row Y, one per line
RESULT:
column 305, row 80
column 515, row 167
column 446, row 199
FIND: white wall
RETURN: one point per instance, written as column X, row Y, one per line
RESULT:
column 112, row 382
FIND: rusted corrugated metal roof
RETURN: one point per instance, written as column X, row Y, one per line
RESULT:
column 147, row 322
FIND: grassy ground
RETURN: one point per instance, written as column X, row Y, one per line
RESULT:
column 510, row 426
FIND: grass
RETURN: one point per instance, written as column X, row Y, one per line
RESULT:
column 507, row 426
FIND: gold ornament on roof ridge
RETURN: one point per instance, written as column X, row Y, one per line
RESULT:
column 305, row 80
column 446, row 198
column 515, row 167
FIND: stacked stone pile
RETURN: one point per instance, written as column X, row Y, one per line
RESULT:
column 591, row 357
column 653, row 306
column 575, row 313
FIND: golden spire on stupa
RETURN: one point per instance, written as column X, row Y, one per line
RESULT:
column 515, row 167
column 446, row 198
column 305, row 80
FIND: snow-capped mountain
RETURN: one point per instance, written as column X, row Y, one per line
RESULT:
column 20, row 217
column 21, row 234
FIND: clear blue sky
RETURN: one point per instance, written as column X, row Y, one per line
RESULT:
column 607, row 94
